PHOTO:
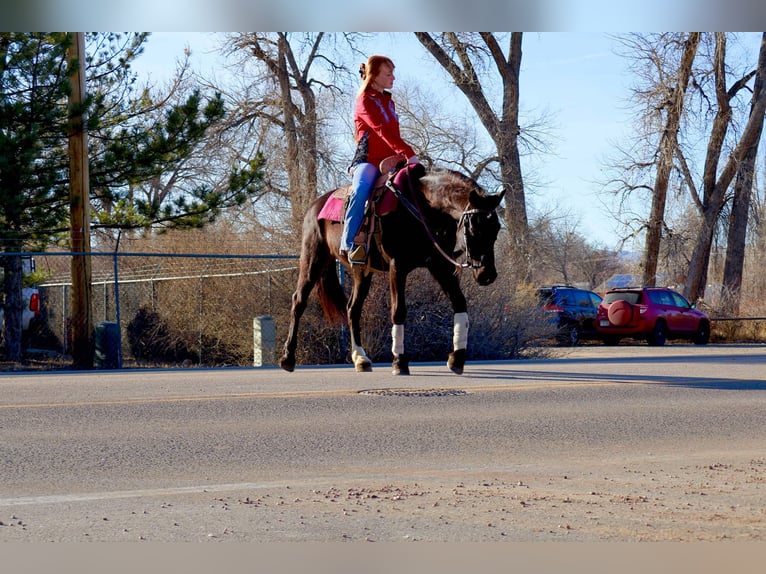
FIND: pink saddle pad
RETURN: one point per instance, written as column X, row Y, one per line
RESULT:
column 332, row 210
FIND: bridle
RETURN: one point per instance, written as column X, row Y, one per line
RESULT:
column 464, row 222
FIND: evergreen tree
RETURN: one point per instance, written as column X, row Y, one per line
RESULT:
column 135, row 142
column 33, row 97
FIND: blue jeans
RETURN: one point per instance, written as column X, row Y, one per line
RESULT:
column 363, row 179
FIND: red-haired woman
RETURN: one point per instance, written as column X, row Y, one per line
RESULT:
column 376, row 131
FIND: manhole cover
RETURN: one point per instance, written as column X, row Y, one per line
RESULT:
column 415, row 392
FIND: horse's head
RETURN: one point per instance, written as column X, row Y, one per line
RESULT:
column 481, row 225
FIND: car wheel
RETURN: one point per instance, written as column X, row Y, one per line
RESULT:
column 659, row 334
column 702, row 334
column 569, row 335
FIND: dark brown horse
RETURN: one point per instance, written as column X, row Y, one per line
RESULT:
column 447, row 215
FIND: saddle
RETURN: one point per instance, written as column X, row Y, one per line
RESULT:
column 381, row 197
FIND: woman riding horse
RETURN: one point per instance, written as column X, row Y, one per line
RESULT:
column 376, row 131
column 446, row 213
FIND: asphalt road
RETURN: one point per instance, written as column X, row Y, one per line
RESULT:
column 600, row 443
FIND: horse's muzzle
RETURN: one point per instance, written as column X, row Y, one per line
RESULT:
column 485, row 275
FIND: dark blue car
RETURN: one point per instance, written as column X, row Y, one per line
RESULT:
column 572, row 310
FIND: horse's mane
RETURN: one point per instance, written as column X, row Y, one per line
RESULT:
column 446, row 189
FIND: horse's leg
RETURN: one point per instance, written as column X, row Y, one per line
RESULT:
column 398, row 282
column 310, row 270
column 456, row 359
column 362, row 282
column 450, row 283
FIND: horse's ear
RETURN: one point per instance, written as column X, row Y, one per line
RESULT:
column 488, row 202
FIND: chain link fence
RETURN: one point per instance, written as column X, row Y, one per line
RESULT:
column 169, row 308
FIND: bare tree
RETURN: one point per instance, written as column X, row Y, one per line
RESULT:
column 295, row 68
column 662, row 64
column 463, row 56
column 715, row 182
column 440, row 136
column 666, row 64
column 555, row 245
column 672, row 108
column 562, row 254
column 599, row 264
column 740, row 209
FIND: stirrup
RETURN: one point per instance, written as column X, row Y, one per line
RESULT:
column 358, row 255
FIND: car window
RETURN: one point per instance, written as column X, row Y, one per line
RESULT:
column 567, row 298
column 545, row 298
column 590, row 300
column 632, row 297
column 659, row 297
column 679, row 300
column 583, row 300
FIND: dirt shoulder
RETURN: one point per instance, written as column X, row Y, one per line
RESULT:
column 715, row 499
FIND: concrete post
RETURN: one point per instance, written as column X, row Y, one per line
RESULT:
column 264, row 341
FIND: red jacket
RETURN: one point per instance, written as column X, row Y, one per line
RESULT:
column 376, row 126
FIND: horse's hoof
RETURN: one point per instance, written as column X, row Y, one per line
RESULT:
column 456, row 361
column 363, row 367
column 287, row 364
column 401, row 365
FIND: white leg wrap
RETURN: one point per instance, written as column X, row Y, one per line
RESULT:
column 397, row 338
column 358, row 354
column 460, row 331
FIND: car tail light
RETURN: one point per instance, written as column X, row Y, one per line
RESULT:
column 34, row 303
column 554, row 308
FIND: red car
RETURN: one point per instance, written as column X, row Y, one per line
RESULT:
column 652, row 313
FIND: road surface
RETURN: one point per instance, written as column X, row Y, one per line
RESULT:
column 600, row 443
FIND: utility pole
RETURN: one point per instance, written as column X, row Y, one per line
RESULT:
column 79, row 205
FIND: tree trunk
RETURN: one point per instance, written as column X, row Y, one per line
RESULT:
column 667, row 148
column 508, row 149
column 292, row 161
column 740, row 210
column 14, row 303
column 737, row 236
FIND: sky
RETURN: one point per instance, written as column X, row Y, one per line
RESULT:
column 575, row 77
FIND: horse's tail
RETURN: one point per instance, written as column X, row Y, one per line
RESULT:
column 331, row 295
column 317, row 263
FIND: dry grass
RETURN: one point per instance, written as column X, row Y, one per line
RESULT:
column 739, row 331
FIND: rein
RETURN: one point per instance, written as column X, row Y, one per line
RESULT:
column 416, row 212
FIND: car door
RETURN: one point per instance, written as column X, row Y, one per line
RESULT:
column 684, row 319
column 568, row 301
